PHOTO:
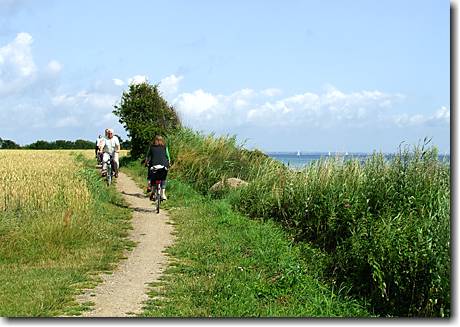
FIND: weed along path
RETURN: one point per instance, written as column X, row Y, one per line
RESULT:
column 122, row 293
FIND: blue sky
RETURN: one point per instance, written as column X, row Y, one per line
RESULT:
column 337, row 75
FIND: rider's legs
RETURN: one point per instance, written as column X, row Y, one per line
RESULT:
column 163, row 189
column 105, row 159
column 163, row 194
column 116, row 163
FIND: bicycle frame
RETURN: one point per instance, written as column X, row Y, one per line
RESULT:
column 109, row 170
column 156, row 188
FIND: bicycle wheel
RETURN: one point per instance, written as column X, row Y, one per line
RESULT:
column 158, row 197
column 109, row 174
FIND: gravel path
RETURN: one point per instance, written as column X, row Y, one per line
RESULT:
column 122, row 293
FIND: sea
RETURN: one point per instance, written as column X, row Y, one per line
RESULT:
column 298, row 160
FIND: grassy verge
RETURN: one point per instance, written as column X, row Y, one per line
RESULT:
column 225, row 265
column 384, row 224
column 48, row 256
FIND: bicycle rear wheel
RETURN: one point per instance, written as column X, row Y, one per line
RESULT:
column 109, row 174
column 158, row 197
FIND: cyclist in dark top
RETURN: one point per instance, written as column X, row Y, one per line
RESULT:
column 158, row 154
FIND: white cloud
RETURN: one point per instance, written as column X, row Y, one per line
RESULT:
column 69, row 121
column 22, row 116
column 197, row 103
column 84, row 98
column 17, row 66
column 271, row 92
column 138, row 79
column 118, row 82
column 330, row 108
column 54, row 67
column 440, row 116
column 170, row 84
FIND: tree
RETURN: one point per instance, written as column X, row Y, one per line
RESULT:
column 84, row 144
column 39, row 145
column 144, row 113
column 8, row 144
column 61, row 144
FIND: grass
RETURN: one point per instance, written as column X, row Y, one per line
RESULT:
column 383, row 225
column 49, row 255
column 224, row 265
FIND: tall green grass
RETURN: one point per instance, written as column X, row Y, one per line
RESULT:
column 385, row 224
column 203, row 160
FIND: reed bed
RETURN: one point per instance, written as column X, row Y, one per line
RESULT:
column 384, row 224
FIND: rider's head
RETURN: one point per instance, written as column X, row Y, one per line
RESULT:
column 159, row 140
column 109, row 132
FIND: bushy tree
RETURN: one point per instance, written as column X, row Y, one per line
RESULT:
column 144, row 113
column 61, row 144
column 8, row 144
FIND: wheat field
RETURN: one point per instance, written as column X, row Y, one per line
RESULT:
column 59, row 223
column 40, row 181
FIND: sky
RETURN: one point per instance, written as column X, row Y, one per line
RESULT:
column 291, row 75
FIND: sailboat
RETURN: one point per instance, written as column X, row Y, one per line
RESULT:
column 298, row 153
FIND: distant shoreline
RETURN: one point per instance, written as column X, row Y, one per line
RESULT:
column 331, row 154
column 300, row 160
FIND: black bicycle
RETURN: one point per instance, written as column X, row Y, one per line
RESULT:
column 156, row 175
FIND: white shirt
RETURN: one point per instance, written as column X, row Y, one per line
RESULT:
column 110, row 144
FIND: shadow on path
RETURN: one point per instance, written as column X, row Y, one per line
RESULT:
column 137, row 195
column 144, row 209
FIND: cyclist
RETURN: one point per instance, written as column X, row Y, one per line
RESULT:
column 158, row 154
column 110, row 146
column 98, row 153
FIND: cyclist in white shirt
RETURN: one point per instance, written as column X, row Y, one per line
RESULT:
column 110, row 147
column 98, row 152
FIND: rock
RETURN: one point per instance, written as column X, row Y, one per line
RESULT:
column 229, row 182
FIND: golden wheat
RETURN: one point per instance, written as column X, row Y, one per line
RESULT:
column 41, row 180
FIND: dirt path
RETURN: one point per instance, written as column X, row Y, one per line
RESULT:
column 122, row 293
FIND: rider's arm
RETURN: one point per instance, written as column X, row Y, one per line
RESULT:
column 117, row 145
column 167, row 154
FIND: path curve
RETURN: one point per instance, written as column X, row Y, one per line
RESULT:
column 122, row 293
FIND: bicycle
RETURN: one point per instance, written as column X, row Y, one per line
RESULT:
column 158, row 173
column 109, row 172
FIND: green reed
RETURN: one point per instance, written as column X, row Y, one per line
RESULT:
column 384, row 223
